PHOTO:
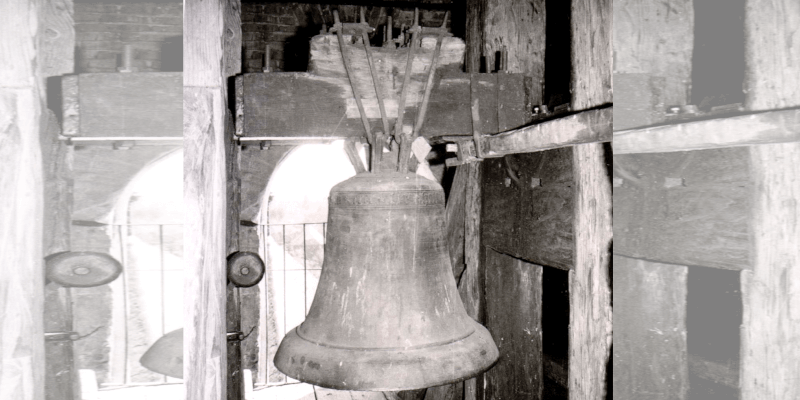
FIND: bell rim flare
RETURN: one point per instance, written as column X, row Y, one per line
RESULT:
column 386, row 370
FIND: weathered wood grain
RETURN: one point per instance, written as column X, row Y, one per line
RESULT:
column 60, row 373
column 21, row 205
column 471, row 286
column 57, row 160
column 305, row 104
column 780, row 126
column 233, row 322
column 591, row 126
column 56, row 38
column 591, row 27
column 528, row 206
column 212, row 37
column 455, row 215
column 772, row 48
column 650, row 353
column 256, row 167
column 205, row 202
column 513, row 317
column 70, row 106
column 770, row 357
column 131, row 104
column 589, row 286
column 517, row 28
column 656, row 39
column 685, row 208
column 476, row 22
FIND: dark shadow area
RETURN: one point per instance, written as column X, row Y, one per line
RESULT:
column 557, row 62
column 172, row 54
column 718, row 61
column 555, row 331
column 713, row 318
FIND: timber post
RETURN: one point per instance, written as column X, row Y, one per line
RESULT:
column 212, row 54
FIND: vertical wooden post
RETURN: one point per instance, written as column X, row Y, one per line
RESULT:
column 21, row 204
column 770, row 357
column 590, row 293
column 650, row 355
column 471, row 286
column 212, row 51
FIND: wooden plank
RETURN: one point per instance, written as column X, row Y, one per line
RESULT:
column 212, row 49
column 233, row 322
column 70, row 106
column 685, row 208
column 591, row 126
column 304, row 104
column 56, row 40
column 57, row 160
column 656, row 40
column 770, row 295
column 590, row 83
column 60, row 373
column 516, row 27
column 528, row 207
column 130, row 104
column 22, row 375
column 772, row 76
column 471, row 285
column 455, row 220
column 589, row 290
column 779, row 126
column 256, row 166
column 513, row 317
column 650, row 354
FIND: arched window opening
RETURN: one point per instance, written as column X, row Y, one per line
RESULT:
column 146, row 231
column 292, row 227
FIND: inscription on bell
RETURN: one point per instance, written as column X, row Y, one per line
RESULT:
column 392, row 199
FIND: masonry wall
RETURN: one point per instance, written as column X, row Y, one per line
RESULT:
column 155, row 31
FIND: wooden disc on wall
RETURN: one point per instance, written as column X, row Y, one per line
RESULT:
column 82, row 268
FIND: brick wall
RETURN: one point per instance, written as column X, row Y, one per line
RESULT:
column 154, row 29
column 288, row 27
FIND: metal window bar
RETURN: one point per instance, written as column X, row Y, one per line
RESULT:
column 278, row 233
column 124, row 232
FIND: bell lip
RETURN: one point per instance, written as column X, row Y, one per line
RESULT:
column 361, row 366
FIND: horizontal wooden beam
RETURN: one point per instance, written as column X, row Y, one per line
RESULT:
column 590, row 126
column 685, row 208
column 303, row 104
column 144, row 104
column 779, row 126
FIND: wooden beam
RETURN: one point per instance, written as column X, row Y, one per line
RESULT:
column 771, row 317
column 513, row 317
column 770, row 357
column 130, row 104
column 593, row 126
column 650, row 353
column 589, row 290
column 212, row 48
column 772, row 77
column 455, row 224
column 471, row 285
column 58, row 186
column 687, row 208
column 309, row 105
column 21, row 205
column 778, row 126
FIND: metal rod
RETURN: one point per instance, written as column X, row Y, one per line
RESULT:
column 124, row 260
column 429, row 83
column 402, row 165
column 119, row 138
column 361, row 111
column 163, row 291
column 305, row 271
column 384, row 118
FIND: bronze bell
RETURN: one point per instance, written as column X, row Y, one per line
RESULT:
column 387, row 314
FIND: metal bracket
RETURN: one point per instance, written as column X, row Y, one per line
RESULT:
column 466, row 152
